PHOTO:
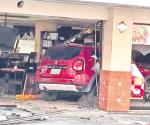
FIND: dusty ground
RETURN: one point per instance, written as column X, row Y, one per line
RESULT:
column 70, row 113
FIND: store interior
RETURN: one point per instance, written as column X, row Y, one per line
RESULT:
column 17, row 43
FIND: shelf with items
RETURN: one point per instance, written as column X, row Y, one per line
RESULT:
column 47, row 43
column 48, row 39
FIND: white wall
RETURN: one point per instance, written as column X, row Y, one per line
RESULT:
column 55, row 9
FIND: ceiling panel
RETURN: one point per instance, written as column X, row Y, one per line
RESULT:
column 30, row 20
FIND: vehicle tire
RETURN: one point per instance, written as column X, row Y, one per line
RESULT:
column 48, row 96
column 69, row 96
column 146, row 96
column 147, row 89
column 90, row 98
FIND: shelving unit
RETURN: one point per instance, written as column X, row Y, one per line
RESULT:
column 48, row 39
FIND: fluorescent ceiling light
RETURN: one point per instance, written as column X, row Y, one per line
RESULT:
column 139, row 3
column 144, row 3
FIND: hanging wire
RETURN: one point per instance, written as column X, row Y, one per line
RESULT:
column 101, row 40
column 95, row 28
column 5, row 22
column 97, row 60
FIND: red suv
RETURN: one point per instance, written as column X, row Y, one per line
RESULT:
column 67, row 67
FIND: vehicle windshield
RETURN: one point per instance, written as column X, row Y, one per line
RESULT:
column 62, row 52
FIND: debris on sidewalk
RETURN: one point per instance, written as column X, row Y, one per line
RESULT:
column 140, row 123
column 16, row 116
column 37, row 112
column 3, row 117
column 85, row 118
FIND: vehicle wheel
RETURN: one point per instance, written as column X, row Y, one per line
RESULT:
column 146, row 96
column 90, row 98
column 70, row 96
column 47, row 96
column 147, row 89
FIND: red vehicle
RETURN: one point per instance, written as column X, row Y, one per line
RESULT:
column 67, row 67
column 140, row 70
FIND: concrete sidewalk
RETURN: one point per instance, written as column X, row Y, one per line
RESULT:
column 70, row 113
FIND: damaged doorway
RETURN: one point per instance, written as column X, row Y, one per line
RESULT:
column 72, row 67
column 140, row 67
column 89, row 45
